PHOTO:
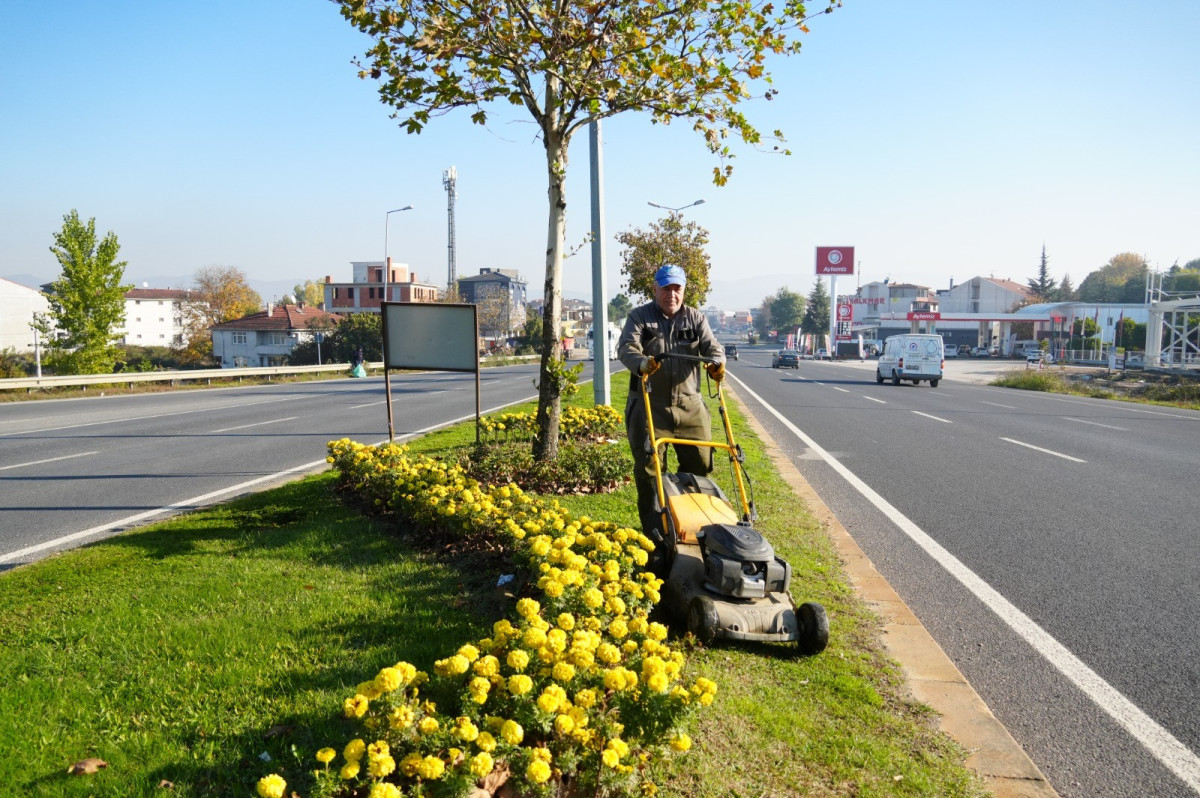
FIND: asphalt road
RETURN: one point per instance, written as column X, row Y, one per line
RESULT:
column 77, row 470
column 1048, row 543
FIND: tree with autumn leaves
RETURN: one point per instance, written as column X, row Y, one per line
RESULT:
column 569, row 64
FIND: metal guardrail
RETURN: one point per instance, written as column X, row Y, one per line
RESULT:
column 196, row 375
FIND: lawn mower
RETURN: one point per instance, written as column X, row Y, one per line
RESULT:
column 722, row 578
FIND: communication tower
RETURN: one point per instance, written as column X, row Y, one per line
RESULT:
column 449, row 181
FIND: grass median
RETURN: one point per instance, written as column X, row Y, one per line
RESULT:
column 187, row 654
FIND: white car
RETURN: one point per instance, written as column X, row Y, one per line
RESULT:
column 951, row 351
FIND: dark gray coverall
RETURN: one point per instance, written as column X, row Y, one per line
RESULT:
column 675, row 398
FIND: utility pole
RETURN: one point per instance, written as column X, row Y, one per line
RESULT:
column 450, row 183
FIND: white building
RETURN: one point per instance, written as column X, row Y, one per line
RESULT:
column 266, row 338
column 154, row 317
column 18, row 304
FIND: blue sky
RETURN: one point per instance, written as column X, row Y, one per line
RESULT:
column 943, row 140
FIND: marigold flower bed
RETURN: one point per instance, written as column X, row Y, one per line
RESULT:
column 578, row 693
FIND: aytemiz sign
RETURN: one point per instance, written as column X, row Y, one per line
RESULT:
column 914, row 315
column 835, row 260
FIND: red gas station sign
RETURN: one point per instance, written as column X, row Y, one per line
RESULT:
column 916, row 315
column 835, row 260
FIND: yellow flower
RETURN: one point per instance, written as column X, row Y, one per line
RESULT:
column 354, row 750
column 482, row 764
column 378, row 748
column 618, row 629
column 431, row 768
column 585, row 698
column 380, row 766
column 517, row 659
column 564, row 725
column 465, row 730
column 527, row 608
column 272, row 786
column 427, row 725
column 487, row 666
column 519, row 684
column 388, row 680
column 486, row 742
column 681, row 743
column 356, row 707
column 563, row 672
column 538, row 772
column 349, row 770
column 566, row 621
column 470, row 652
column 512, row 732
column 610, row 758
column 326, row 755
column 401, row 717
column 384, row 789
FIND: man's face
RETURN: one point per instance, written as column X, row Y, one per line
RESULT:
column 669, row 299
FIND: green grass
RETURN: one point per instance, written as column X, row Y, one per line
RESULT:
column 1168, row 392
column 183, row 651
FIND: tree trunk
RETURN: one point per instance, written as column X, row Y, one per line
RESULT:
column 545, row 444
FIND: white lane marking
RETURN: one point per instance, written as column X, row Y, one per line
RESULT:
column 10, row 558
column 256, row 424
column 1161, row 744
column 155, row 415
column 873, row 399
column 996, row 404
column 369, row 404
column 843, row 390
column 1044, row 451
column 1094, row 423
column 935, row 418
column 48, row 460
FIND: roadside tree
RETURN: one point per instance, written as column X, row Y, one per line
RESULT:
column 87, row 301
column 568, row 65
column 619, row 308
column 1043, row 286
column 220, row 294
column 310, row 292
column 762, row 318
column 787, row 310
column 1122, row 279
column 816, row 313
column 668, row 240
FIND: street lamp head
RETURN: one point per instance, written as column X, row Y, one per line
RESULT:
column 675, row 210
column 405, row 208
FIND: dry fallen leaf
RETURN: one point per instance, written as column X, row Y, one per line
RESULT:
column 166, row 785
column 89, row 765
column 276, row 731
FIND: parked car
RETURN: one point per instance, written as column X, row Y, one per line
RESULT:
column 823, row 354
column 980, row 351
column 731, row 351
column 964, row 350
column 951, row 351
column 1038, row 356
column 785, row 358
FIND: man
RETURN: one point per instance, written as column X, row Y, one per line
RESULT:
column 667, row 326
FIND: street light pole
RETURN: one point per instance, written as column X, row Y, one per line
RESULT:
column 675, row 210
column 386, row 266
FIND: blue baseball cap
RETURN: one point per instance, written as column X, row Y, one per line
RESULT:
column 670, row 275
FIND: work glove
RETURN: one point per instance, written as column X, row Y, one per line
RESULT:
column 716, row 371
column 650, row 365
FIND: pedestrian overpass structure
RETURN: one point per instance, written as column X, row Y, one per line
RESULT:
column 1173, row 335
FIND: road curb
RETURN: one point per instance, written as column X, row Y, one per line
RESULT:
column 931, row 677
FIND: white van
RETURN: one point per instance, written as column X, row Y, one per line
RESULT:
column 911, row 357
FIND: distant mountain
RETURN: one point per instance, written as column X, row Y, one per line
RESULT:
column 748, row 292
column 269, row 290
column 27, row 280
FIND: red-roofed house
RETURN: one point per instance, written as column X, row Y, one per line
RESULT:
column 266, row 338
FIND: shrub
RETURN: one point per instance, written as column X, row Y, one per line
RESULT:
column 578, row 694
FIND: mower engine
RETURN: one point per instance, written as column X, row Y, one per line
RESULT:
column 739, row 562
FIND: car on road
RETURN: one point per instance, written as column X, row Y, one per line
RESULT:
column 1038, row 356
column 785, row 359
column 731, row 352
column 823, row 354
